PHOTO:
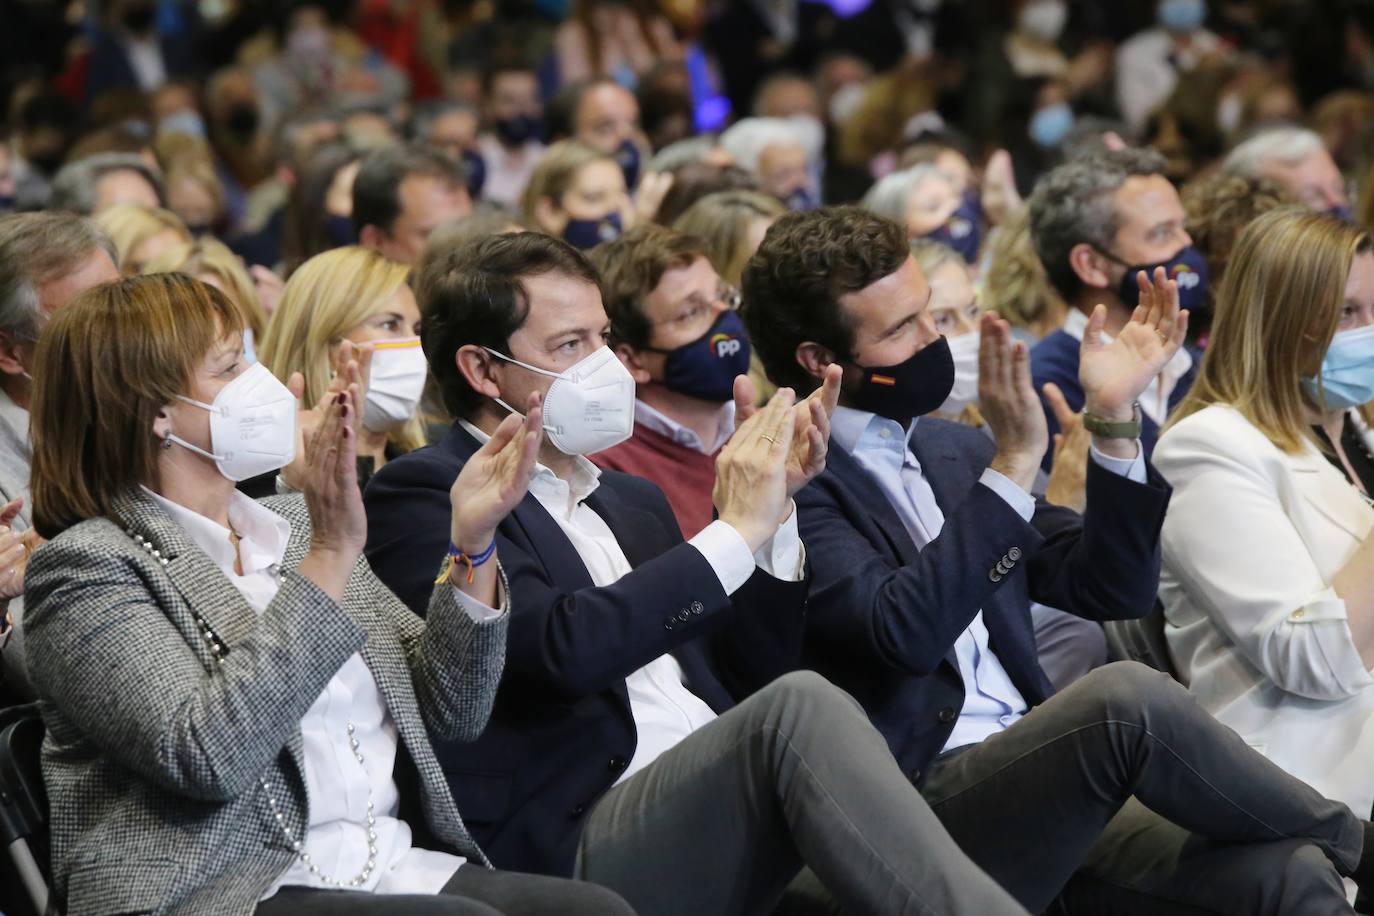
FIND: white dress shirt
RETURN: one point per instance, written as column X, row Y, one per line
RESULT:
column 664, row 710
column 337, row 786
column 654, row 419
column 881, row 447
column 1154, row 400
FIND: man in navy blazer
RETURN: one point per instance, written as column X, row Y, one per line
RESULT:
column 636, row 739
column 927, row 548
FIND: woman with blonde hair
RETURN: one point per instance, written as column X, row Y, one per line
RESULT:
column 346, row 301
column 1268, row 578
column 140, row 234
column 1014, row 284
column 211, row 262
column 578, row 194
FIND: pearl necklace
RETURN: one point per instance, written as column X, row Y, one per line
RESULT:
column 219, row 649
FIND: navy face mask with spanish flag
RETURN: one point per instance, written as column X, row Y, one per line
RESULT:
column 909, row 389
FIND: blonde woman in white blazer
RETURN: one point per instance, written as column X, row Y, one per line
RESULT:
column 1268, row 579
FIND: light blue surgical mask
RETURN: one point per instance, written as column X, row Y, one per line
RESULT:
column 1049, row 126
column 183, row 121
column 1182, row 15
column 1347, row 375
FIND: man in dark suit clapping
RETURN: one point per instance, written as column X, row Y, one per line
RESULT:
column 926, row 550
column 616, row 751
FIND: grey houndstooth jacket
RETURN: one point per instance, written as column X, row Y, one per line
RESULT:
column 154, row 750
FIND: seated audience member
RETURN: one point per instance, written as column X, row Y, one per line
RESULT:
column 1013, row 282
column 1266, row 542
column 514, row 137
column 731, row 224
column 403, row 193
column 89, row 185
column 604, row 115
column 1296, row 158
column 451, row 127
column 194, row 190
column 319, row 209
column 46, row 259
column 927, row 549
column 578, row 194
column 211, row 262
column 484, row 220
column 253, row 756
column 695, row 180
column 675, row 327
column 141, row 234
column 1219, row 207
column 773, row 150
column 1067, row 646
column 354, row 294
column 1099, row 223
column 930, row 205
column 615, row 750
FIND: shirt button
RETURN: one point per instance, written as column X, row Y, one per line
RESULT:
column 946, row 715
column 1299, row 614
column 885, row 433
column 578, row 810
column 617, row 762
column 697, row 607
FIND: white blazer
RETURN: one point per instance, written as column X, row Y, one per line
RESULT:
column 1252, row 541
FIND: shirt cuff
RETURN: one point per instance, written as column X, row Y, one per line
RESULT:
column 1133, row 469
column 1020, row 501
column 781, row 555
column 477, row 610
column 728, row 553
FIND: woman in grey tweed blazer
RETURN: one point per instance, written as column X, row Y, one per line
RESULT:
column 174, row 683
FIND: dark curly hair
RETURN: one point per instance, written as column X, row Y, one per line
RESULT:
column 793, row 284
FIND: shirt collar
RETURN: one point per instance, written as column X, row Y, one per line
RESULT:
column 263, row 534
column 858, row 431
column 553, row 492
column 659, row 422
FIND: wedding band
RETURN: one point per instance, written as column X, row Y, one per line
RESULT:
column 769, row 438
column 1163, row 338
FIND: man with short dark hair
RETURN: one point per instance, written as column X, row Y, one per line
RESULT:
column 674, row 326
column 927, row 550
column 514, row 136
column 1097, row 223
column 604, row 115
column 403, row 193
column 616, row 751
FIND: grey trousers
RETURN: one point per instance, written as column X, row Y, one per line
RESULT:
column 472, row 891
column 1124, row 784
column 795, row 775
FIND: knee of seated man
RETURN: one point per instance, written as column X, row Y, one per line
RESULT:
column 1301, row 883
column 808, row 695
column 1129, row 689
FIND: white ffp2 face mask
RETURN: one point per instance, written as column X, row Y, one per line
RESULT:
column 395, row 384
column 252, row 425
column 964, row 349
column 589, row 407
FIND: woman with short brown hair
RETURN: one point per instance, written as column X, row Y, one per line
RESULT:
column 238, row 712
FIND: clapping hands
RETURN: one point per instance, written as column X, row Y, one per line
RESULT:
column 1114, row 375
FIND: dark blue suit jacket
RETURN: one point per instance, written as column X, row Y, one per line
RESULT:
column 562, row 732
column 1055, row 359
column 884, row 616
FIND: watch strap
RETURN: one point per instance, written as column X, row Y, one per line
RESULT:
column 1113, row 429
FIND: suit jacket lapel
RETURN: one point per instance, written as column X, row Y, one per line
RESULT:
column 864, row 492
column 948, row 476
column 201, row 583
column 1332, row 495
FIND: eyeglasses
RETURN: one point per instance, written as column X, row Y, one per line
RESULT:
column 692, row 310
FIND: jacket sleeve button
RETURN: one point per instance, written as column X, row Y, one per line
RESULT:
column 698, row 607
column 1014, row 554
column 683, row 615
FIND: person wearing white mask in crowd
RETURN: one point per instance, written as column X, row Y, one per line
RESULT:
column 778, row 152
column 265, row 748
column 1150, row 63
column 341, row 303
column 1067, row 646
column 928, row 203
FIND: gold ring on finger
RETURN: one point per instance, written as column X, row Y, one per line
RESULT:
column 769, row 438
column 1163, row 338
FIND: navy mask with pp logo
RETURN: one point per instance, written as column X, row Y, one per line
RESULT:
column 706, row 368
